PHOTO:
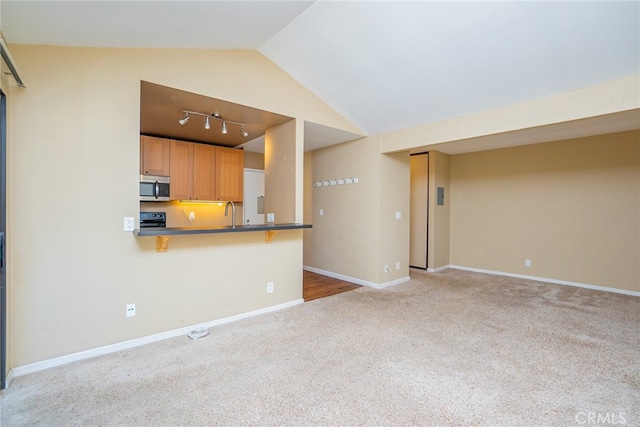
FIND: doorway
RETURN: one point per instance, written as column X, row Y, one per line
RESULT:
column 419, row 211
column 253, row 201
column 3, row 225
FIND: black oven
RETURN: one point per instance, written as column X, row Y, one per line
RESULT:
column 153, row 219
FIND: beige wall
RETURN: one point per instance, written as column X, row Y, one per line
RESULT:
column 439, row 216
column 346, row 239
column 280, row 172
column 572, row 207
column 71, row 268
column 253, row 160
column 358, row 233
column 395, row 186
column 307, row 217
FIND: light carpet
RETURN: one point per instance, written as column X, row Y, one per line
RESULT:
column 448, row 348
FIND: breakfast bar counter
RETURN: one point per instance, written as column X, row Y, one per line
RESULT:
column 176, row 231
column 162, row 234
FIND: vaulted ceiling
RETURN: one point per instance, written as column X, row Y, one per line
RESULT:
column 384, row 65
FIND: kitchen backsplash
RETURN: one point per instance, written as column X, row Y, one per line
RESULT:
column 206, row 214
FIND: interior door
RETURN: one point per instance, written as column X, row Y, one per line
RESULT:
column 3, row 225
column 253, row 204
column 419, row 202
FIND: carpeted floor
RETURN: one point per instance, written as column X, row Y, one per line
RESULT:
column 445, row 348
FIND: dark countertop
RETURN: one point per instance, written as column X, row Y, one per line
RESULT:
column 176, row 231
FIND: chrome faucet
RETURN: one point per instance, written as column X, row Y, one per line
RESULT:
column 233, row 213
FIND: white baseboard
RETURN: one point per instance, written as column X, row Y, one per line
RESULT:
column 45, row 364
column 436, row 270
column 547, row 280
column 356, row 280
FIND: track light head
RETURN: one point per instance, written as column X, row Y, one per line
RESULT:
column 224, row 127
column 244, row 132
column 185, row 120
column 206, row 123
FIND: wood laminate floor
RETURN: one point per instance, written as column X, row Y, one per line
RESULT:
column 318, row 286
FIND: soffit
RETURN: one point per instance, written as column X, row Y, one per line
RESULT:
column 161, row 107
column 598, row 125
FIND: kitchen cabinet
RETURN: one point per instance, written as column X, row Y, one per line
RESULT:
column 181, row 170
column 154, row 155
column 205, row 172
column 229, row 174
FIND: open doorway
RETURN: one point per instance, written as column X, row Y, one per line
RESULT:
column 3, row 224
column 419, row 210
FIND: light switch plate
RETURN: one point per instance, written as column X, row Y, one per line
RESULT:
column 271, row 217
column 129, row 223
column 398, row 214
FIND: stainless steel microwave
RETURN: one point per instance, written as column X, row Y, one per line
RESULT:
column 154, row 188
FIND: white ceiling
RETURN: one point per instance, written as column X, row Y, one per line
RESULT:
column 384, row 65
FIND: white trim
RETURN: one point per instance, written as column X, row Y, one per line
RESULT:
column 437, row 270
column 45, row 364
column 356, row 280
column 547, row 280
column 8, row 60
column 393, row 282
column 9, row 378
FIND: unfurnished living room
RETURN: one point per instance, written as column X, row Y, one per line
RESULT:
column 306, row 213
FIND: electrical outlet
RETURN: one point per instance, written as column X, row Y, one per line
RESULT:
column 386, row 268
column 131, row 310
column 192, row 216
column 271, row 217
column 398, row 265
column 527, row 263
column 129, row 223
column 269, row 287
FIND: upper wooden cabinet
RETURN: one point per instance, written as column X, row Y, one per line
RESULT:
column 154, row 155
column 229, row 174
column 206, row 172
column 181, row 170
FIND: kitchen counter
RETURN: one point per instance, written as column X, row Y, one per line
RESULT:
column 177, row 231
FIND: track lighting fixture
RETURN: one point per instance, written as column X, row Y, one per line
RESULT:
column 185, row 120
column 215, row 116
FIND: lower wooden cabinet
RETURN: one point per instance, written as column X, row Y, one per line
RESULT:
column 205, row 172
